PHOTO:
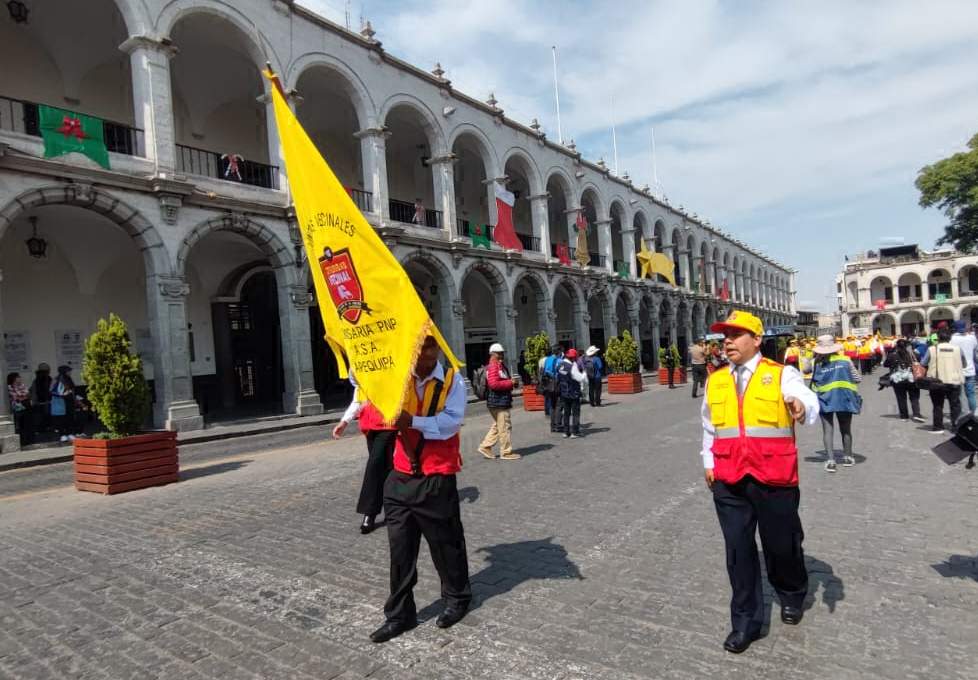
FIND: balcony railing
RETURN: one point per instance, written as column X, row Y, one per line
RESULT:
column 211, row 164
column 529, row 242
column 364, row 199
column 406, row 212
column 19, row 115
column 596, row 260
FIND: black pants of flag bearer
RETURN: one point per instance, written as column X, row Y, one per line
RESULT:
column 743, row 509
column 380, row 456
column 424, row 506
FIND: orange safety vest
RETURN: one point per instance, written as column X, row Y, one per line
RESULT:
column 438, row 456
column 755, row 433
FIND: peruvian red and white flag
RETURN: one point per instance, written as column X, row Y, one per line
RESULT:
column 505, row 233
column 725, row 291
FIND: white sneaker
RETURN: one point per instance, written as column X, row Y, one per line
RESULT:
column 71, row 437
column 830, row 466
column 936, row 431
column 919, row 419
column 64, row 438
column 848, row 461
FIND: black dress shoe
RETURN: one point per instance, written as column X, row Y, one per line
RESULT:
column 391, row 630
column 738, row 641
column 368, row 524
column 451, row 616
column 791, row 615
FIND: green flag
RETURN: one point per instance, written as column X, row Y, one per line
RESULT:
column 66, row 131
column 623, row 272
column 480, row 237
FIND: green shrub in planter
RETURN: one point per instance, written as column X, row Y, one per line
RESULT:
column 114, row 377
column 536, row 347
column 621, row 354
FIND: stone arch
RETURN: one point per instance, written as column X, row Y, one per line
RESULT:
column 279, row 254
column 429, row 122
column 142, row 231
column 577, row 306
column 591, row 191
column 439, row 295
column 537, row 300
column 488, row 152
column 530, row 168
column 360, row 96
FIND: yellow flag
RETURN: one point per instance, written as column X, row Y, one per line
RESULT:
column 655, row 263
column 371, row 310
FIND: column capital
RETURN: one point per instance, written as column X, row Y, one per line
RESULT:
column 173, row 287
column 540, row 197
column 602, row 223
column 448, row 158
column 146, row 42
column 380, row 132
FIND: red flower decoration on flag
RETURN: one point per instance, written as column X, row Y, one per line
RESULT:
column 72, row 127
column 881, row 304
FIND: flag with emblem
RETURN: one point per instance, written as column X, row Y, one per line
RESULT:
column 622, row 270
column 373, row 316
column 68, row 132
column 480, row 237
column 505, row 233
column 563, row 254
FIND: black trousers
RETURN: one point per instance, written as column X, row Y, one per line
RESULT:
column 866, row 365
column 24, row 426
column 937, row 395
column 555, row 412
column 424, row 506
column 699, row 377
column 380, row 462
column 570, row 415
column 671, row 376
column 594, row 391
column 902, row 390
column 742, row 509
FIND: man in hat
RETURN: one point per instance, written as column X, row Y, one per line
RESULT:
column 572, row 383
column 751, row 465
column 499, row 399
column 697, row 362
column 594, row 369
column 421, row 496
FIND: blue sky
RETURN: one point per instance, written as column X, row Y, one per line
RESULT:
column 797, row 126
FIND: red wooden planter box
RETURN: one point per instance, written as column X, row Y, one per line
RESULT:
column 533, row 401
column 115, row 465
column 678, row 376
column 624, row 383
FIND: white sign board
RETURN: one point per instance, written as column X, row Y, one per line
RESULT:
column 860, row 332
column 69, row 347
column 17, row 350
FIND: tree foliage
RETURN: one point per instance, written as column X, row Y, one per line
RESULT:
column 951, row 185
column 114, row 376
column 537, row 347
column 622, row 354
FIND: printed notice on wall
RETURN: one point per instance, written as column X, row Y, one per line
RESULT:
column 17, row 350
column 69, row 346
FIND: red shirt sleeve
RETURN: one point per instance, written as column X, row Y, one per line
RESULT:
column 494, row 381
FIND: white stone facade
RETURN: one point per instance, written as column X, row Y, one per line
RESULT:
column 918, row 291
column 183, row 251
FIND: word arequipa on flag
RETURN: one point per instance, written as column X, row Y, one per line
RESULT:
column 371, row 310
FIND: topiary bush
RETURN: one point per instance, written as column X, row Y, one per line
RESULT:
column 536, row 347
column 622, row 354
column 116, row 386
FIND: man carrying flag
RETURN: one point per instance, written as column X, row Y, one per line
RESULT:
column 375, row 320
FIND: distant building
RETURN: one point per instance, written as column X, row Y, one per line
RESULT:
column 807, row 322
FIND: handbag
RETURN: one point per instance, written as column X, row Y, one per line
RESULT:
column 919, row 371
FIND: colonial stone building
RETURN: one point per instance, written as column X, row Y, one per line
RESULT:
column 189, row 235
column 905, row 290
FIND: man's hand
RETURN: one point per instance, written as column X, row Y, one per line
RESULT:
column 404, row 421
column 339, row 429
column 708, row 473
column 797, row 408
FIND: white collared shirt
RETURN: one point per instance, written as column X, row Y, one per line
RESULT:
column 446, row 424
column 792, row 385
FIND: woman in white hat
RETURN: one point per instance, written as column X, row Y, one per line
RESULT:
column 594, row 368
column 834, row 381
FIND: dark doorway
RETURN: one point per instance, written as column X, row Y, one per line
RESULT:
column 476, row 355
column 333, row 391
column 597, row 337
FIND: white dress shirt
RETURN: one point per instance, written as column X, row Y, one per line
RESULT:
column 792, row 385
column 446, row 424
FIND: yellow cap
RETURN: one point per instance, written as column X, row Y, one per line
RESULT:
column 740, row 320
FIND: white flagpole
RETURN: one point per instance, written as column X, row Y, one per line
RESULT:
column 560, row 134
column 655, row 170
column 614, row 137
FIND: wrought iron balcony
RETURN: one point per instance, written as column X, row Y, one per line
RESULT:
column 363, row 199
column 20, row 115
column 403, row 211
column 529, row 242
column 220, row 166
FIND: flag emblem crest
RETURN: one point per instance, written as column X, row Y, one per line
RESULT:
column 344, row 285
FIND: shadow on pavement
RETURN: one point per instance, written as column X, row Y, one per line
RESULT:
column 509, row 565
column 820, row 457
column 536, row 448
column 468, row 494
column 958, row 566
column 216, row 469
column 587, row 429
column 821, row 578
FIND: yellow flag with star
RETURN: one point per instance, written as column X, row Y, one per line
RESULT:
column 373, row 316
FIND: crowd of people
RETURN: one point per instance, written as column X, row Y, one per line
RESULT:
column 50, row 403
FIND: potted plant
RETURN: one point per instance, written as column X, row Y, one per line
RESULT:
column 120, row 459
column 536, row 347
column 663, row 366
column 678, row 371
column 622, row 359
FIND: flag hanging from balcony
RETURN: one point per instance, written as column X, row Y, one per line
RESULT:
column 67, row 132
column 725, row 291
column 881, row 304
column 373, row 316
column 505, row 234
column 580, row 226
column 563, row 254
column 622, row 270
column 480, row 237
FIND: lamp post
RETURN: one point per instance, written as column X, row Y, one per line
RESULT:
column 36, row 246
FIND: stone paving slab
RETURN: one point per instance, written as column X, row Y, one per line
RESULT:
column 592, row 558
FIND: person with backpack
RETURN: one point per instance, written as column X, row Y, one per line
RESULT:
column 548, row 386
column 63, row 404
column 835, row 382
column 499, row 399
column 571, row 384
column 945, row 364
column 901, row 361
column 594, row 369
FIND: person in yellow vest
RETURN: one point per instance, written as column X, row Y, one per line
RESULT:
column 792, row 354
column 421, row 496
column 864, row 352
column 806, row 363
column 751, row 465
column 849, row 347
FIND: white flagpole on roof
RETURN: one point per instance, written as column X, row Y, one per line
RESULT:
column 560, row 134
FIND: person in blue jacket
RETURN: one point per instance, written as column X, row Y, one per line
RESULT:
column 594, row 368
column 835, row 380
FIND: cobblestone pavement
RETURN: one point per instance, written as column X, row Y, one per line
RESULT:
column 592, row 558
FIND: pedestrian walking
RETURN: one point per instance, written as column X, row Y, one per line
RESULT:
column 751, row 465
column 572, row 383
column 969, row 346
column 549, row 387
column 380, row 454
column 421, row 496
column 671, row 365
column 834, row 380
column 945, row 366
column 63, row 404
column 697, row 361
column 499, row 399
column 900, row 361
column 594, row 369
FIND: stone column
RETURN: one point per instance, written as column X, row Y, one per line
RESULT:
column 457, row 336
column 582, row 323
column 9, row 440
column 443, row 176
column 149, row 61
column 539, row 212
column 628, row 249
column 604, row 244
column 299, row 394
column 667, row 250
column 373, row 152
column 507, row 336
column 175, row 408
column 673, row 331
column 551, row 325
column 684, row 268
column 636, row 330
